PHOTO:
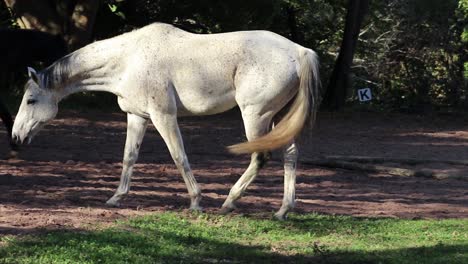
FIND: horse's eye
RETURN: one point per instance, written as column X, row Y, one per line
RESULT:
column 31, row 101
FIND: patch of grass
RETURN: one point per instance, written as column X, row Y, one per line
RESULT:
column 202, row 238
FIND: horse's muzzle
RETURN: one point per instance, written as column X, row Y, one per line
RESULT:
column 17, row 139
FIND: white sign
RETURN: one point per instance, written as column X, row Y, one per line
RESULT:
column 364, row 94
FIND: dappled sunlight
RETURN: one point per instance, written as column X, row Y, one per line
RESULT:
column 445, row 144
column 438, row 134
column 74, row 166
column 389, row 135
column 435, row 138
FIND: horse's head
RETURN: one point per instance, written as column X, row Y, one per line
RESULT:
column 38, row 107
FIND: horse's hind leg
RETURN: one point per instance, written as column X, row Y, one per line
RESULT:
column 257, row 161
column 290, row 160
column 255, row 125
column 136, row 127
column 167, row 126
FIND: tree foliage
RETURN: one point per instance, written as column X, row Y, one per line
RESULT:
column 412, row 54
column 73, row 20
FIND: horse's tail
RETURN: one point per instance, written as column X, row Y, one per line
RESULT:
column 303, row 110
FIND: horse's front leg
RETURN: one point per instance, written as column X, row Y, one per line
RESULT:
column 136, row 127
column 167, row 126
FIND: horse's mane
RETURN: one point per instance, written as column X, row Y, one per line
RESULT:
column 57, row 74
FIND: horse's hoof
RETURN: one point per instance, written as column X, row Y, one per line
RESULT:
column 197, row 209
column 280, row 216
column 112, row 203
column 226, row 210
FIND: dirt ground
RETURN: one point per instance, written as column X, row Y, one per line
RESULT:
column 64, row 177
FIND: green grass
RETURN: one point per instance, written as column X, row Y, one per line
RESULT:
column 203, row 238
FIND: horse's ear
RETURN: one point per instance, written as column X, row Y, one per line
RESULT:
column 33, row 75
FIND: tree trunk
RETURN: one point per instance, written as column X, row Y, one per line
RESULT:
column 296, row 36
column 336, row 94
column 73, row 19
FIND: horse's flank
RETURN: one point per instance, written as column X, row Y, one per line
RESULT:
column 302, row 112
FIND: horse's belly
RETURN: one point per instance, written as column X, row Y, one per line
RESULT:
column 132, row 107
column 205, row 104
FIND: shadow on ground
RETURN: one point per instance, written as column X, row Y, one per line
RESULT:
column 74, row 164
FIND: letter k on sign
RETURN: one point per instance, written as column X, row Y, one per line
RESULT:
column 365, row 94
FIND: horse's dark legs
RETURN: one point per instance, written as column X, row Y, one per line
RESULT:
column 8, row 122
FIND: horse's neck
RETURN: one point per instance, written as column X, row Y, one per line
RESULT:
column 90, row 68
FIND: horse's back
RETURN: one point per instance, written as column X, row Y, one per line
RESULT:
column 241, row 44
column 209, row 71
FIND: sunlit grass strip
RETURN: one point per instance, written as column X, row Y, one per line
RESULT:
column 202, row 238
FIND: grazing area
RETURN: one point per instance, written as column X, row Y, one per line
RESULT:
column 53, row 195
column 205, row 238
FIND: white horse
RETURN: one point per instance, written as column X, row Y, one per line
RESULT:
column 160, row 72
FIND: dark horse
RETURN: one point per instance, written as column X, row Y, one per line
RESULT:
column 20, row 48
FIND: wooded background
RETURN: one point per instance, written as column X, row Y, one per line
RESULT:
column 412, row 54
